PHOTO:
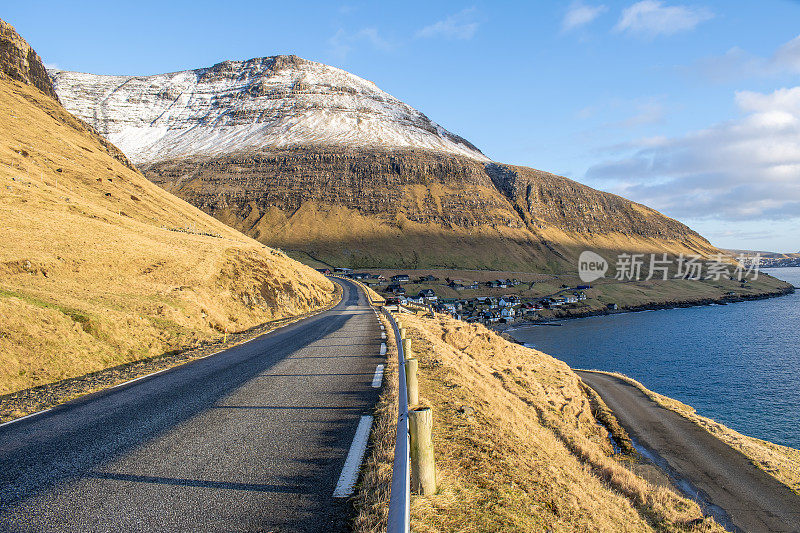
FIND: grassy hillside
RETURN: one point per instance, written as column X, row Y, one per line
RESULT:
column 518, row 446
column 99, row 267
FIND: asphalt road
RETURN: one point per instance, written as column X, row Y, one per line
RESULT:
column 250, row 439
column 735, row 491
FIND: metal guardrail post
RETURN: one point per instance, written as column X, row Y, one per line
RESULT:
column 400, row 499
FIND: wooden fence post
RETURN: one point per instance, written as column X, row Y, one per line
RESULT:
column 423, row 469
column 412, row 384
column 407, row 353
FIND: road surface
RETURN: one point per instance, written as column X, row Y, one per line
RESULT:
column 250, row 439
column 739, row 493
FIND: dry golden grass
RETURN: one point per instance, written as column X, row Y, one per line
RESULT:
column 373, row 297
column 781, row 462
column 531, row 456
column 100, row 267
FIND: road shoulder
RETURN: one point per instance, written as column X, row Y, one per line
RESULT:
column 28, row 402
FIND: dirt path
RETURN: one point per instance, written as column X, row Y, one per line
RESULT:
column 751, row 499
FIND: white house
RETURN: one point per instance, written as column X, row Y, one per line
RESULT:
column 508, row 301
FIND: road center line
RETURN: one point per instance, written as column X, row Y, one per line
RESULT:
column 349, row 476
column 376, row 381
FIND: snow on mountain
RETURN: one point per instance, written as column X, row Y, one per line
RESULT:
column 279, row 101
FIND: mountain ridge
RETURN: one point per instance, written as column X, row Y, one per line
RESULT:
column 375, row 208
column 279, row 101
column 308, row 157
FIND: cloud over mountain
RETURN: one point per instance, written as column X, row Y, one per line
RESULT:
column 737, row 63
column 461, row 25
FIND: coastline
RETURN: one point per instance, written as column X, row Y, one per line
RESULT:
column 726, row 472
column 567, row 314
column 778, row 461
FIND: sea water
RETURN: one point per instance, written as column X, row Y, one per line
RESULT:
column 738, row 363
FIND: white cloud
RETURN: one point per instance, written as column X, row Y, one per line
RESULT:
column 651, row 18
column 343, row 42
column 460, row 26
column 580, row 14
column 787, row 57
column 744, row 169
column 738, row 64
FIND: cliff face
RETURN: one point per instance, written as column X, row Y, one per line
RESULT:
column 543, row 199
column 415, row 208
column 20, row 62
column 423, row 186
column 309, row 157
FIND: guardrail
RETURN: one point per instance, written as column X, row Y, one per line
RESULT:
column 400, row 499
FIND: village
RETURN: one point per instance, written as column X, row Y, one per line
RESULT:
column 506, row 309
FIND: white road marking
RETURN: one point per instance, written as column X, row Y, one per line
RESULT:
column 24, row 417
column 109, row 388
column 383, row 348
column 349, row 476
column 135, row 379
column 152, row 374
column 376, row 381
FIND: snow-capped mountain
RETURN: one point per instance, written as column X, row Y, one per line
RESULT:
column 270, row 102
column 308, row 157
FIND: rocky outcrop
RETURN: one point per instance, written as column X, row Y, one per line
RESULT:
column 543, row 199
column 20, row 62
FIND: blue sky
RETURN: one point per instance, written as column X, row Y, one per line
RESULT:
column 690, row 107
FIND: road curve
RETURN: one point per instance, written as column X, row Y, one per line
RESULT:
column 751, row 499
column 250, row 439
